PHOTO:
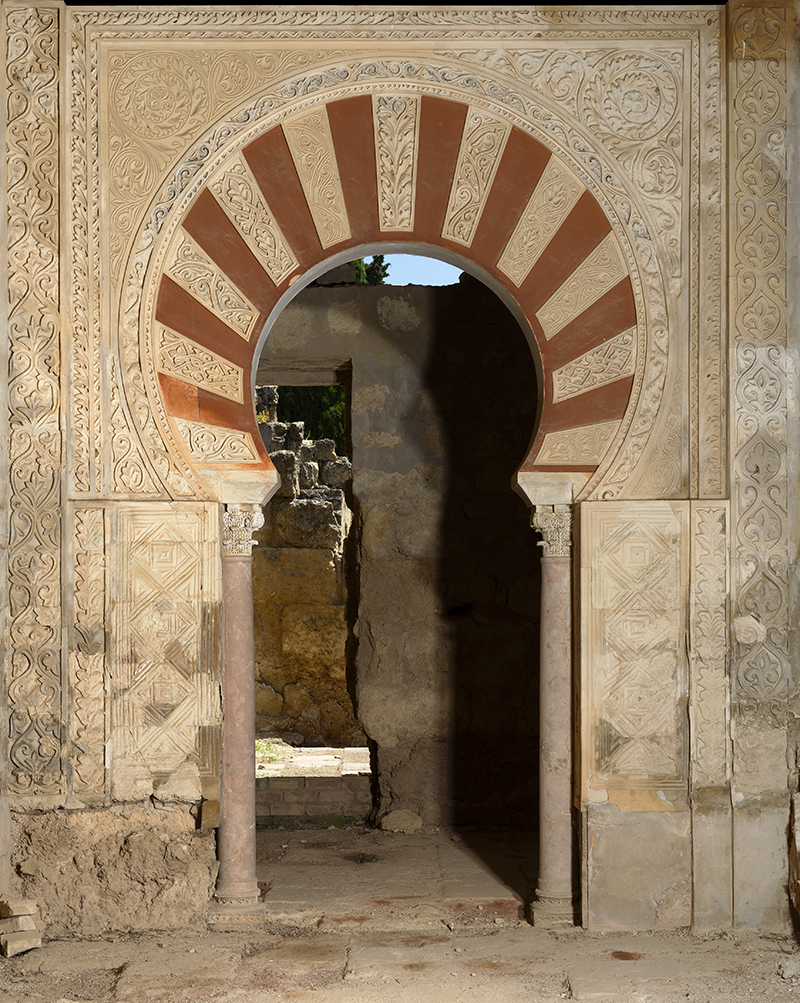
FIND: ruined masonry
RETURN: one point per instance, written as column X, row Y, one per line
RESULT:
column 623, row 181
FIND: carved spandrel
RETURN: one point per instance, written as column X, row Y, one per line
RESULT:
column 33, row 663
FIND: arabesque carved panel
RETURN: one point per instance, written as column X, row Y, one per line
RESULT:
column 185, row 360
column 613, row 360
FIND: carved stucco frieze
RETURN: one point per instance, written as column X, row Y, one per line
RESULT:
column 554, row 522
column 33, row 663
column 760, row 367
column 239, row 522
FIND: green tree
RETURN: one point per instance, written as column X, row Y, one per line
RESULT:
column 320, row 408
column 373, row 274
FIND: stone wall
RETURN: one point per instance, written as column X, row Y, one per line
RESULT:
column 446, row 593
column 300, row 595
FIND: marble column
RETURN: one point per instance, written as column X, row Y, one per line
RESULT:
column 555, row 894
column 237, row 888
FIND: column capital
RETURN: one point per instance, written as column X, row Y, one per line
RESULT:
column 554, row 522
column 239, row 522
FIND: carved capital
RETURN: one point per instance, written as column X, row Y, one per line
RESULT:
column 554, row 522
column 239, row 522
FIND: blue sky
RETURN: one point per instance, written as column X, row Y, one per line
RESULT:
column 412, row 269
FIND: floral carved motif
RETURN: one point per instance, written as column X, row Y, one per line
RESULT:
column 596, row 274
column 482, row 145
column 613, row 360
column 550, row 203
column 33, row 665
column 185, row 360
column 213, row 444
column 87, row 660
column 396, row 129
column 242, row 200
column 759, row 360
column 311, row 145
column 194, row 270
column 582, row 445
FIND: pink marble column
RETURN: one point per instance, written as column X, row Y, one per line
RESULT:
column 555, row 897
column 237, row 887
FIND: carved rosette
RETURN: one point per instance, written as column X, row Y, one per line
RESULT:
column 239, row 522
column 554, row 522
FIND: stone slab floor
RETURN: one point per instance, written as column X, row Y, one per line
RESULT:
column 360, row 916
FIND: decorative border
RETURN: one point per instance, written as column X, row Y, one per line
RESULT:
column 759, row 362
column 34, row 664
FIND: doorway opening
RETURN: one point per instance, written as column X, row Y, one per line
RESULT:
column 444, row 589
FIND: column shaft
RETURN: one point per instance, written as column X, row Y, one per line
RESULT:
column 237, row 834
column 555, row 887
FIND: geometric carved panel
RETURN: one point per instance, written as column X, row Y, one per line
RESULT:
column 634, row 598
column 165, row 689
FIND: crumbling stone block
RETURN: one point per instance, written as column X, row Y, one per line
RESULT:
column 17, row 907
column 16, row 943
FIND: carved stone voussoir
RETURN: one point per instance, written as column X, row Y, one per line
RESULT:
column 239, row 522
column 554, row 522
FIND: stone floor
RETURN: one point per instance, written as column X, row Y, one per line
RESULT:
column 360, row 916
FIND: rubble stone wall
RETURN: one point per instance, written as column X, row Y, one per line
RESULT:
column 300, row 595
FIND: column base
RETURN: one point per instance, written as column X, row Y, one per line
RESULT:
column 546, row 912
column 235, row 916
